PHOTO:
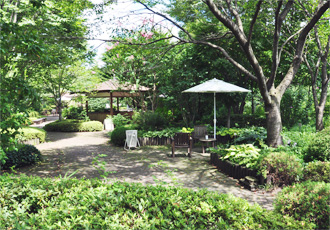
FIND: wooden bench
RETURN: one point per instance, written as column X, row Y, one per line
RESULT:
column 39, row 120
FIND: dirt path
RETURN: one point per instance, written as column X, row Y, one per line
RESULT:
column 66, row 153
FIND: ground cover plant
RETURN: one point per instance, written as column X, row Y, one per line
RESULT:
column 246, row 155
column 44, row 203
column 74, row 126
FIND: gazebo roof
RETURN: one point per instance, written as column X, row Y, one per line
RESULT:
column 117, row 89
column 114, row 85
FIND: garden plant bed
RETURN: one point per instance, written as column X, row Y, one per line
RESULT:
column 234, row 170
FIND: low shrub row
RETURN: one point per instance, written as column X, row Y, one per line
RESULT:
column 74, row 126
column 29, row 133
column 44, row 203
column 23, row 156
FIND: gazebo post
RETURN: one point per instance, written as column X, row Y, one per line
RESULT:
column 111, row 107
column 118, row 104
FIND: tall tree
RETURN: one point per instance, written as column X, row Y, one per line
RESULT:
column 317, row 60
column 231, row 15
column 29, row 30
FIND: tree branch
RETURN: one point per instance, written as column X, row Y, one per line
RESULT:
column 323, row 7
column 167, row 18
column 254, row 19
column 279, row 18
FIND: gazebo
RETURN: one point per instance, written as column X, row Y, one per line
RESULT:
column 113, row 89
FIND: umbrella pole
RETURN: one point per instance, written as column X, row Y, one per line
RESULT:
column 215, row 117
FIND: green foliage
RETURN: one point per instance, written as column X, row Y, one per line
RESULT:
column 253, row 135
column 118, row 135
column 77, row 113
column 24, row 155
column 168, row 132
column 317, row 171
column 34, row 114
column 296, row 106
column 3, row 157
column 232, row 132
column 280, row 168
column 29, row 133
column 246, row 155
column 307, row 201
column 74, row 126
column 150, row 121
column 319, row 147
column 120, row 120
column 44, row 203
column 97, row 104
column 243, row 120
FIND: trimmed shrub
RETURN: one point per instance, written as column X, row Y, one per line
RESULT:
column 118, row 136
column 45, row 203
column 280, row 168
column 25, row 155
column 319, row 147
column 307, row 201
column 29, row 133
column 74, row 126
column 317, row 171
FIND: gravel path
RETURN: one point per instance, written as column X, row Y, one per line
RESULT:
column 66, row 153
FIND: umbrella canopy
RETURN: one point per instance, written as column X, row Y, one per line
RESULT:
column 216, row 86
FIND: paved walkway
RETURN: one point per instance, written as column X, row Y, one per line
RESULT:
column 66, row 153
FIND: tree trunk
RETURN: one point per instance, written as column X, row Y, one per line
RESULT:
column 274, row 122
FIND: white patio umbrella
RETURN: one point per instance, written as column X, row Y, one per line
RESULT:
column 216, row 86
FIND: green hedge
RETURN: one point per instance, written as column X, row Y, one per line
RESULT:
column 74, row 126
column 44, row 203
column 29, row 133
column 307, row 201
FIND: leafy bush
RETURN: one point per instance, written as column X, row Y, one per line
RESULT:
column 246, row 155
column 317, row 171
column 74, row 126
column 120, row 120
column 168, row 132
column 232, row 132
column 44, row 203
column 118, row 135
column 243, row 120
column 25, row 155
column 307, row 201
column 280, row 168
column 33, row 114
column 150, row 121
column 29, row 133
column 251, row 135
column 97, row 104
column 319, row 147
column 77, row 113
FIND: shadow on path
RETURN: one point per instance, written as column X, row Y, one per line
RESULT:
column 74, row 152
